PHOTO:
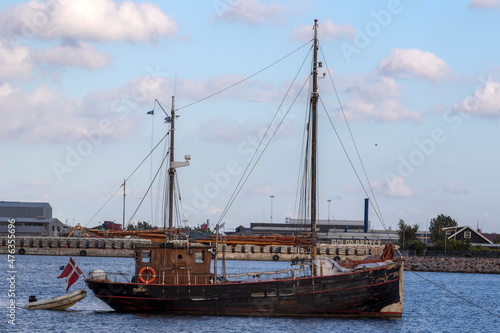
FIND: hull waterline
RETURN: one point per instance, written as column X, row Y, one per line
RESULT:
column 370, row 293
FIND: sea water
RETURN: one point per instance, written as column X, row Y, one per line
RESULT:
column 426, row 308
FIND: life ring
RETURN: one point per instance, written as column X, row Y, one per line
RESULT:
column 147, row 268
column 83, row 253
column 22, row 251
column 336, row 258
column 276, row 257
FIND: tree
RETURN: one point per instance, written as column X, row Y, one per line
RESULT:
column 437, row 224
column 140, row 226
column 496, row 240
column 408, row 238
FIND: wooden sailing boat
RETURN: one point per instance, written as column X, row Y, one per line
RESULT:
column 175, row 277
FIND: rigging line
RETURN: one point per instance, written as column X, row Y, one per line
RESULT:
column 451, row 292
column 244, row 179
column 350, row 161
column 126, row 179
column 151, row 164
column 159, row 104
column 354, row 142
column 302, row 166
column 149, row 187
column 159, row 205
column 231, row 199
column 178, row 187
column 243, row 80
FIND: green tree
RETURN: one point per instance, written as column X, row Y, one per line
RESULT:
column 408, row 238
column 436, row 227
column 496, row 240
column 140, row 226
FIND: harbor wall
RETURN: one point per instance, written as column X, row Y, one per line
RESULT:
column 453, row 265
column 64, row 246
column 119, row 247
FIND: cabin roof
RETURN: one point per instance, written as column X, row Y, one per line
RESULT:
column 459, row 230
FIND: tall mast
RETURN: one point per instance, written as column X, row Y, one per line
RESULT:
column 314, row 135
column 171, row 172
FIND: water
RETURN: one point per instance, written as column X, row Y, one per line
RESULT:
column 427, row 308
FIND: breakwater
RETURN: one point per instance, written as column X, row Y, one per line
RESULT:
column 64, row 246
column 453, row 265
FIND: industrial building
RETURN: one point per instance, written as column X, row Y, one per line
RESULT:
column 31, row 219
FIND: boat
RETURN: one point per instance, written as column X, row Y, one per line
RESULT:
column 56, row 303
column 175, row 276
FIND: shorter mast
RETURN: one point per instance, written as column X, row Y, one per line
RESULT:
column 124, row 193
column 171, row 173
column 314, row 135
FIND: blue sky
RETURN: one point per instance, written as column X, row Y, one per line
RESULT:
column 419, row 82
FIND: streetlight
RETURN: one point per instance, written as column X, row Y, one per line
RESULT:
column 445, row 232
column 329, row 202
column 272, row 197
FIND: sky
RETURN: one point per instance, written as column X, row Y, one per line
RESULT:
column 418, row 82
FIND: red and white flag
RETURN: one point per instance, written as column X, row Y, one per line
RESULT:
column 72, row 272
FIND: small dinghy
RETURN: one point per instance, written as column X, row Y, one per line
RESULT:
column 56, row 303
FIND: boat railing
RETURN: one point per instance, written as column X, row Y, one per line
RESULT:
column 281, row 274
column 116, row 276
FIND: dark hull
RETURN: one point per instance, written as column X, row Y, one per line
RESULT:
column 376, row 293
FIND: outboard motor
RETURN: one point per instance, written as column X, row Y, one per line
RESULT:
column 33, row 299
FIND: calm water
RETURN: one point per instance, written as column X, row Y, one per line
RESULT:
column 426, row 308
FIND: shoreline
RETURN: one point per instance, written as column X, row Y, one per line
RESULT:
column 453, row 265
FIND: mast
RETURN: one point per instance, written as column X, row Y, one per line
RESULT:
column 314, row 135
column 171, row 173
column 124, row 193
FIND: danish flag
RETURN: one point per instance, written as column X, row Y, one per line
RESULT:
column 72, row 272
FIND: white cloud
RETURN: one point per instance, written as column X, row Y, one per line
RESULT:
column 329, row 30
column 15, row 61
column 452, row 187
column 485, row 101
column 81, row 55
column 46, row 115
column 250, row 11
column 5, row 90
column 396, row 187
column 379, row 101
column 404, row 63
column 262, row 189
column 475, row 4
column 93, row 20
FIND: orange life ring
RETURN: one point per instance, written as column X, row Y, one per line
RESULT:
column 147, row 268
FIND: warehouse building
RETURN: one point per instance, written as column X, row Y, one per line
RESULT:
column 31, row 219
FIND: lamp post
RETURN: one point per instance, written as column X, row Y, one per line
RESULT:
column 329, row 202
column 404, row 231
column 445, row 242
column 272, row 197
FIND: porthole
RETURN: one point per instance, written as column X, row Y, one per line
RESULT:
column 179, row 256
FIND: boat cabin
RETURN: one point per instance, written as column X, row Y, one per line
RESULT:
column 175, row 262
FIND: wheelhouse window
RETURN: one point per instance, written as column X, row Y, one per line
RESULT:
column 199, row 257
column 146, row 256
